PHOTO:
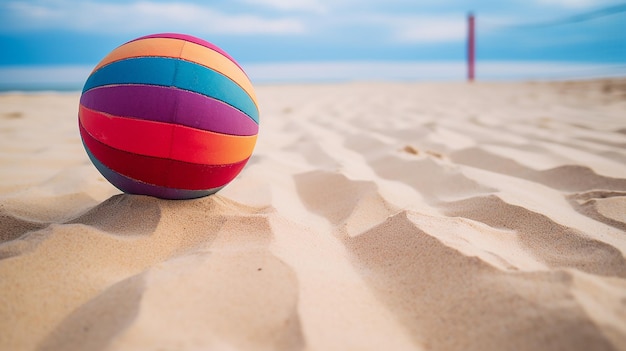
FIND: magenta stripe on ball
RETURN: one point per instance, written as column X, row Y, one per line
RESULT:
column 170, row 105
column 193, row 40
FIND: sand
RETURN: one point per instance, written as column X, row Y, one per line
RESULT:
column 372, row 216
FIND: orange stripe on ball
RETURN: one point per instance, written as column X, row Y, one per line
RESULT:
column 166, row 140
column 188, row 51
column 159, row 171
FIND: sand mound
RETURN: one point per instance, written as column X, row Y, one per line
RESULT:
column 372, row 216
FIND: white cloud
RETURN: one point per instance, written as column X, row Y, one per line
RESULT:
column 141, row 16
column 419, row 28
column 259, row 17
column 314, row 6
column 427, row 29
column 574, row 4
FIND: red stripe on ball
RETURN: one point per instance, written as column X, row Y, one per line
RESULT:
column 162, row 171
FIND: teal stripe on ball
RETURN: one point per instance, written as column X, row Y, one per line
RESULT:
column 178, row 73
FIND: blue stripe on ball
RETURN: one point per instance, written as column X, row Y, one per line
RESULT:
column 178, row 73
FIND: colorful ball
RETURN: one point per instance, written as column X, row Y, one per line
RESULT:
column 168, row 115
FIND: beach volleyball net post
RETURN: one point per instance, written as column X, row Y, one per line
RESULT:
column 471, row 47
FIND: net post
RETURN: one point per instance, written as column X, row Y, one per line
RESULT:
column 471, row 48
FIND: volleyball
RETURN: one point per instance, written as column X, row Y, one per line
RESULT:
column 168, row 115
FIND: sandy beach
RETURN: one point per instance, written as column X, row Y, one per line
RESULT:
column 371, row 216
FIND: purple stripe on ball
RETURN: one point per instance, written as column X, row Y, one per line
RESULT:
column 169, row 105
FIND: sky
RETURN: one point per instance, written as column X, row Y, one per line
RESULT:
column 45, row 33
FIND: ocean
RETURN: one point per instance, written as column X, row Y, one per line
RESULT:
column 72, row 78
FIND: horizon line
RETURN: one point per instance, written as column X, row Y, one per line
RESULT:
column 67, row 77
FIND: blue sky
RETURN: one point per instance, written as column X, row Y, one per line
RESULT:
column 65, row 32
column 82, row 32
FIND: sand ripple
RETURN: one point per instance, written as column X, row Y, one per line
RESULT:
column 372, row 216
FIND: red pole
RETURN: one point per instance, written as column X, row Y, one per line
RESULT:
column 471, row 47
